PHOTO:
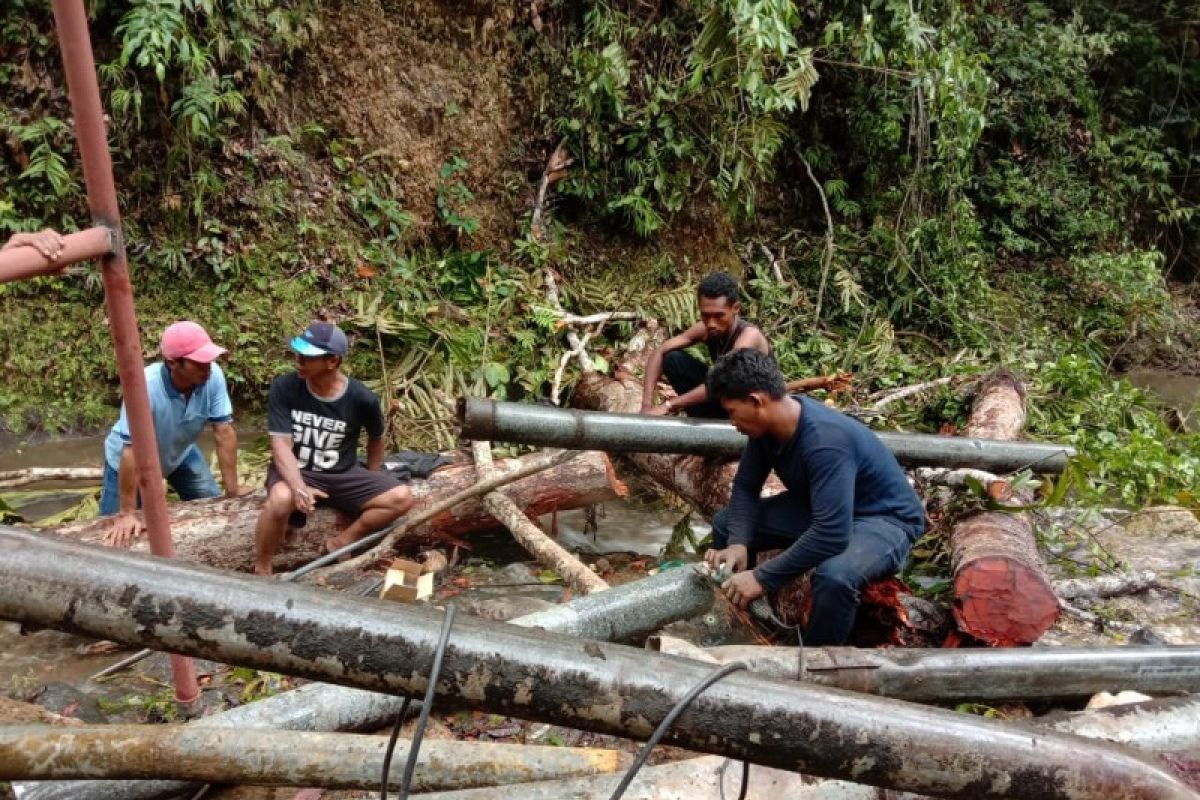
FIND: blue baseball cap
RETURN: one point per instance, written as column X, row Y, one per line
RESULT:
column 321, row 339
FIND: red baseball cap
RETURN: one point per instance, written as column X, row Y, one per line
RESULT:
column 188, row 340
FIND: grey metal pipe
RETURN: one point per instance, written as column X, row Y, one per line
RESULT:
column 623, row 612
column 546, row 426
column 953, row 676
column 279, row 758
column 602, row 687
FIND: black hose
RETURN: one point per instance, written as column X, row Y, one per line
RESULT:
column 669, row 720
column 414, row 747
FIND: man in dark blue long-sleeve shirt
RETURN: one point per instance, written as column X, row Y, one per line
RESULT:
column 848, row 513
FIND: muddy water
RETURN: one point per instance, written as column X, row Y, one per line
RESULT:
column 1181, row 392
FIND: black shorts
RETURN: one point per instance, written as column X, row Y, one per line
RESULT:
column 348, row 491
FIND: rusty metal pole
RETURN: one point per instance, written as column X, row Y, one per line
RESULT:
column 79, row 65
column 305, row 631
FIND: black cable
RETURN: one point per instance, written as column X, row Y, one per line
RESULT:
column 669, row 720
column 745, row 779
column 414, row 746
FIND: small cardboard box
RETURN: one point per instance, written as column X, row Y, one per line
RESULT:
column 405, row 583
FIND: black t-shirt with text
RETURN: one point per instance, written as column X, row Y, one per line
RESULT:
column 324, row 432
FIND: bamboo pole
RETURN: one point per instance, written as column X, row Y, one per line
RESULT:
column 278, row 758
column 301, row 630
column 547, row 552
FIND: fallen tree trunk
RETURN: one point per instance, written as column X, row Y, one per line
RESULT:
column 279, row 758
column 1103, row 586
column 304, row 631
column 1002, row 595
column 220, row 533
column 11, row 478
column 547, row 552
column 630, row 432
column 956, row 676
column 628, row 611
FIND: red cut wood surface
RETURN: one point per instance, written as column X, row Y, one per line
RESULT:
column 220, row 533
column 1002, row 595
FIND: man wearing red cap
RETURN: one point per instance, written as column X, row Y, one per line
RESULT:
column 187, row 391
column 316, row 416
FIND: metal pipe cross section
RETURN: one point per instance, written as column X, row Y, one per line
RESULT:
column 535, row 675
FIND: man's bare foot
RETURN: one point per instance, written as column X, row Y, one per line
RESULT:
column 334, row 543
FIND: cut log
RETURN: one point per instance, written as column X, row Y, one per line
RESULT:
column 1002, row 595
column 220, row 533
column 12, row 478
column 547, row 552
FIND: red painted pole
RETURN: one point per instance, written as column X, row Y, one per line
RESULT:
column 84, row 90
column 17, row 263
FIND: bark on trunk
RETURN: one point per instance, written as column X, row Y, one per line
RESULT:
column 278, row 758
column 547, row 552
column 220, row 533
column 1001, row 593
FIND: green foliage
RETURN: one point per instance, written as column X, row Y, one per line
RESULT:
column 454, row 198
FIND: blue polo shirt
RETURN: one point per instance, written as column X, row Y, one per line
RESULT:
column 177, row 420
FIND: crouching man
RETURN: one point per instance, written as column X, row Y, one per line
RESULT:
column 316, row 415
column 848, row 513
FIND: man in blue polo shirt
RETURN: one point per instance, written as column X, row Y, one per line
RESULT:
column 187, row 391
column 849, row 514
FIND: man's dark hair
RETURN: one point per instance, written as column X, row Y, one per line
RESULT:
column 735, row 375
column 719, row 284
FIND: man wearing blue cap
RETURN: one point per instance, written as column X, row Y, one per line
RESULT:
column 315, row 416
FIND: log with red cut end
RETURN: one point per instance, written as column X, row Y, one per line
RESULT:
column 220, row 532
column 1002, row 594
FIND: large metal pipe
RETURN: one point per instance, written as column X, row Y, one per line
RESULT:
column 607, row 688
column 279, row 758
column 625, row 612
column 18, row 263
column 954, row 676
column 84, row 90
column 546, row 426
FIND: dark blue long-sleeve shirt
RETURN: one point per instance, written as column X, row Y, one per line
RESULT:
column 841, row 469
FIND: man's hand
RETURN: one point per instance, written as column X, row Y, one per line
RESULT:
column 736, row 556
column 125, row 528
column 660, row 410
column 743, row 588
column 239, row 491
column 305, row 498
column 47, row 242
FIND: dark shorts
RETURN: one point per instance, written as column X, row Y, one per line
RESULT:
column 348, row 491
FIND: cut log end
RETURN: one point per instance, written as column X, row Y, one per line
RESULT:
column 1003, row 602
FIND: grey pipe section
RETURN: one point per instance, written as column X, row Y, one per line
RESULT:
column 607, row 688
column 953, row 676
column 280, row 758
column 546, row 426
column 623, row 612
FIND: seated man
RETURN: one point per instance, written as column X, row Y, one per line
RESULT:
column 848, row 513
column 315, row 416
column 721, row 329
column 187, row 391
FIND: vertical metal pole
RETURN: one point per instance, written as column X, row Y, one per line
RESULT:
column 84, row 89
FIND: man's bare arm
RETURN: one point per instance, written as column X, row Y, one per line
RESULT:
column 375, row 453
column 226, row 437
